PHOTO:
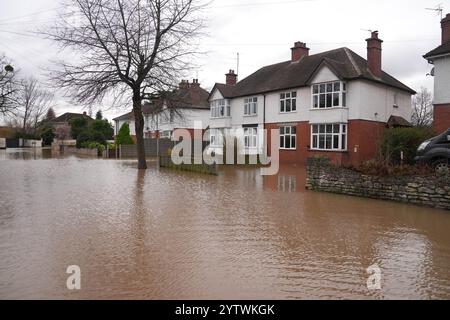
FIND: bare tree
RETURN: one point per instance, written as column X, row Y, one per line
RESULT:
column 423, row 108
column 33, row 102
column 9, row 88
column 127, row 49
column 62, row 132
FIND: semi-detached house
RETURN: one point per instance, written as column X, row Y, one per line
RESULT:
column 181, row 109
column 334, row 104
column 440, row 58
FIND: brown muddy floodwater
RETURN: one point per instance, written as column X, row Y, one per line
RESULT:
column 171, row 235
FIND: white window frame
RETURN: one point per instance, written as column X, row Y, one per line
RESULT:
column 251, row 106
column 220, row 109
column 288, row 133
column 216, row 137
column 329, row 132
column 166, row 134
column 328, row 92
column 251, row 137
column 288, row 98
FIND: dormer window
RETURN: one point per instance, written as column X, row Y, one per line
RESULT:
column 329, row 95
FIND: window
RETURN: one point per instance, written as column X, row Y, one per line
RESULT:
column 396, row 100
column 220, row 108
column 251, row 137
column 166, row 134
column 288, row 102
column 288, row 138
column 329, row 137
column 216, row 137
column 329, row 95
column 251, row 106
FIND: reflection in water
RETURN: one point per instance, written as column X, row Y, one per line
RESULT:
column 167, row 234
column 25, row 154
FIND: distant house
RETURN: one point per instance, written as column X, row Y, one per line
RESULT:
column 171, row 111
column 334, row 104
column 440, row 58
column 65, row 119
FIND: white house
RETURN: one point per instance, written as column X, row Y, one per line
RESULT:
column 440, row 57
column 180, row 110
column 333, row 103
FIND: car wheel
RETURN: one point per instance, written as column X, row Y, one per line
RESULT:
column 441, row 166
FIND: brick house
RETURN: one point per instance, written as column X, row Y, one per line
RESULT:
column 189, row 100
column 440, row 58
column 334, row 104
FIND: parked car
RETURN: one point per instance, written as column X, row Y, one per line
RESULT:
column 436, row 152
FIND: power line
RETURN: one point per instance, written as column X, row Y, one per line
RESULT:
column 29, row 15
column 255, row 4
column 31, row 34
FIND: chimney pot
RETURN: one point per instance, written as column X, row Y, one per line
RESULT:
column 231, row 78
column 445, row 24
column 374, row 54
column 299, row 51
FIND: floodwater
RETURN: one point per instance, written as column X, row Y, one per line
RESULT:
column 165, row 234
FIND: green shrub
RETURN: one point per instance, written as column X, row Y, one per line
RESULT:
column 77, row 126
column 124, row 136
column 103, row 127
column 93, row 145
column 394, row 141
column 47, row 134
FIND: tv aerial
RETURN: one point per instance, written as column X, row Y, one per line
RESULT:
column 439, row 9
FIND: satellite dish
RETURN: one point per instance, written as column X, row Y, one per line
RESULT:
column 432, row 72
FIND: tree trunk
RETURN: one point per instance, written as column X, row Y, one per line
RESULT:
column 139, row 127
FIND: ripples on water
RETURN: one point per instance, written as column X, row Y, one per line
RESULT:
column 172, row 235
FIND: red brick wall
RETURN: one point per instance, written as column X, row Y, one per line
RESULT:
column 364, row 135
column 441, row 117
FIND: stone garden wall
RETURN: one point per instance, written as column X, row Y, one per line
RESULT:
column 431, row 190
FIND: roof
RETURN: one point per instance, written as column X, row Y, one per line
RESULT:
column 441, row 50
column 126, row 116
column 191, row 96
column 346, row 64
column 397, row 121
column 66, row 117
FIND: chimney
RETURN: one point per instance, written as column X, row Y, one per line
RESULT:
column 445, row 23
column 299, row 51
column 84, row 113
column 231, row 78
column 184, row 84
column 195, row 83
column 374, row 54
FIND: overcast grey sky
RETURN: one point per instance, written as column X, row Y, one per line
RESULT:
column 262, row 31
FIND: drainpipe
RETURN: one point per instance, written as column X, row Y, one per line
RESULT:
column 264, row 124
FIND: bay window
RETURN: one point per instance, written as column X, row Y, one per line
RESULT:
column 251, row 137
column 288, row 102
column 329, row 137
column 288, row 137
column 329, row 95
column 251, row 106
column 220, row 108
